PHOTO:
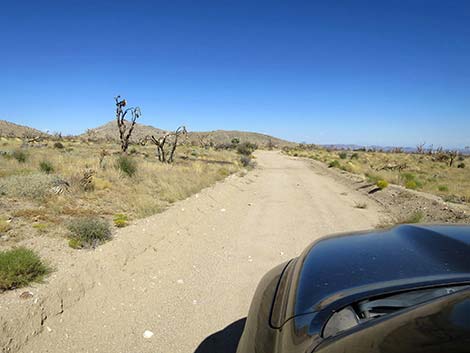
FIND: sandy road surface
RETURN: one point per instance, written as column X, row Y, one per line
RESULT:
column 190, row 272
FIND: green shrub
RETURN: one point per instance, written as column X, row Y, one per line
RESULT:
column 246, row 148
column 443, row 188
column 58, row 145
column 411, row 184
column 382, row 184
column 461, row 165
column 126, row 165
column 19, row 267
column 46, row 167
column 120, row 220
column 88, row 232
column 334, row 164
column 355, row 155
column 343, row 155
column 20, row 155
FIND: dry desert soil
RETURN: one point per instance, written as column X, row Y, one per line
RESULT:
column 182, row 281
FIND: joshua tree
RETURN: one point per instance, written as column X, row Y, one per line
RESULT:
column 166, row 144
column 125, row 131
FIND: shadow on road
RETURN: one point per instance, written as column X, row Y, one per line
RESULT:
column 223, row 341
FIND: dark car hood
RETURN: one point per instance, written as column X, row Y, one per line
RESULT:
column 338, row 270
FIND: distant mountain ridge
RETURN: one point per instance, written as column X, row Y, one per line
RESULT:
column 110, row 131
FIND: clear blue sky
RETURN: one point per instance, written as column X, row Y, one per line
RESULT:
column 366, row 72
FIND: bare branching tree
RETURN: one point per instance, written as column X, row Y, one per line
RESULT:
column 420, row 148
column 125, row 131
column 167, row 143
column 452, row 155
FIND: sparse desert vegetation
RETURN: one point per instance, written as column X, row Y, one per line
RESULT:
column 434, row 171
column 48, row 184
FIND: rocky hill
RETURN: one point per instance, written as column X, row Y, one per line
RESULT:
column 109, row 131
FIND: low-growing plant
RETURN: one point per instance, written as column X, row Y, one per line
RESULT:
column 127, row 165
column 245, row 161
column 46, row 167
column 334, row 164
column 32, row 186
column 120, row 220
column 4, row 226
column 343, row 155
column 223, row 172
column 443, row 188
column 58, row 145
column 415, row 217
column 246, row 148
column 40, row 227
column 372, row 178
column 411, row 184
column 20, row 155
column 461, row 165
column 88, row 232
column 382, row 184
column 19, row 267
column 355, row 156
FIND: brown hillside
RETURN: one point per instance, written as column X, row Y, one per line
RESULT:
column 8, row 129
column 109, row 131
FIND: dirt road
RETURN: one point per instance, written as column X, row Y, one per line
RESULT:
column 190, row 272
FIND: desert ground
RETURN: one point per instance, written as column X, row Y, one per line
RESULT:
column 188, row 273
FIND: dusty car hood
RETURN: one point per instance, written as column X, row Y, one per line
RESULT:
column 338, row 270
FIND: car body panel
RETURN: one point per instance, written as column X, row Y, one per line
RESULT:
column 342, row 269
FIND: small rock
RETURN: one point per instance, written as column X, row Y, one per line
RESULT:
column 48, row 329
column 180, row 281
column 222, row 210
column 249, row 204
column 148, row 334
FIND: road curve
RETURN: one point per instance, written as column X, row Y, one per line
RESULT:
column 187, row 275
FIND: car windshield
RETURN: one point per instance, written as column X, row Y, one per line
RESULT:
column 368, row 309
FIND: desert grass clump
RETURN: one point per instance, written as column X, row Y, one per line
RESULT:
column 46, row 167
column 443, row 188
column 20, row 155
column 381, row 184
column 415, row 217
column 88, row 232
column 35, row 186
column 127, row 165
column 4, row 226
column 19, row 267
column 120, row 220
column 334, row 164
column 58, row 145
column 343, row 155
